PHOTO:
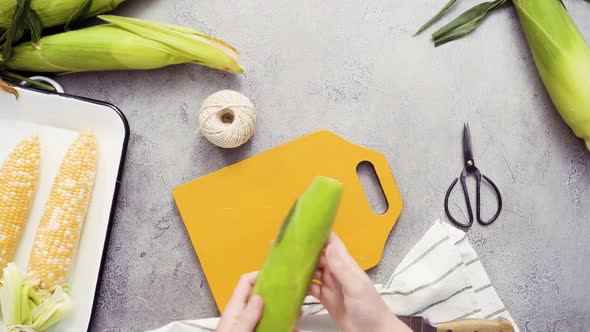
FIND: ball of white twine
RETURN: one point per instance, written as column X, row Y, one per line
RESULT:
column 227, row 119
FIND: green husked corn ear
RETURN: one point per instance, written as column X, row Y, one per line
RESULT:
column 290, row 265
column 123, row 44
column 562, row 58
column 559, row 50
column 55, row 12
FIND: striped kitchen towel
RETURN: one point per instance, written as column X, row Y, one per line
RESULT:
column 441, row 278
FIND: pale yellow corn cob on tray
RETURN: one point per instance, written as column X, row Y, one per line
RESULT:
column 58, row 120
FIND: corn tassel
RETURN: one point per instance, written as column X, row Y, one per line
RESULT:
column 562, row 58
column 18, row 178
column 123, row 44
column 55, row 12
column 288, row 270
column 58, row 235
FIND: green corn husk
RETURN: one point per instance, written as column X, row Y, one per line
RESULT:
column 55, row 12
column 123, row 44
column 562, row 58
column 290, row 265
column 51, row 310
column 12, row 293
column 23, row 307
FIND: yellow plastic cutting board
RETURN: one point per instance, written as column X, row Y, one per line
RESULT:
column 232, row 215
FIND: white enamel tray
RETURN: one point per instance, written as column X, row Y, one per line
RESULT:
column 57, row 119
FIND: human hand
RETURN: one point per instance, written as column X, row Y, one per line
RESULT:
column 349, row 295
column 243, row 312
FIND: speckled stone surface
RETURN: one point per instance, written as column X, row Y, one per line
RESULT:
column 353, row 67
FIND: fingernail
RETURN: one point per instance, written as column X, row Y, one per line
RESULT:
column 257, row 299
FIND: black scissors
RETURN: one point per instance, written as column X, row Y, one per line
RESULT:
column 470, row 169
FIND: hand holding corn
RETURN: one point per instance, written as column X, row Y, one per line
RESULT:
column 243, row 312
column 345, row 291
column 349, row 294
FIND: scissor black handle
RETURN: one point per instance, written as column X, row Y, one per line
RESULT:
column 478, row 177
column 478, row 200
column 469, row 210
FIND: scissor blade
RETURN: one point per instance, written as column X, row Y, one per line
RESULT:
column 467, row 150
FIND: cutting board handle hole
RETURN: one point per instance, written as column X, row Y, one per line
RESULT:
column 372, row 187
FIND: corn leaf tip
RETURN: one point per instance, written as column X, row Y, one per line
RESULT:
column 8, row 89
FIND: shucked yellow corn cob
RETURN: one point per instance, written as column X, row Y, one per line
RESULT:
column 58, row 235
column 18, row 179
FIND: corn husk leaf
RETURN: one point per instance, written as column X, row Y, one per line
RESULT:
column 79, row 14
column 123, row 44
column 22, row 306
column 16, row 29
column 437, row 16
column 202, row 49
column 51, row 310
column 35, row 26
column 465, row 22
column 14, row 297
column 56, row 12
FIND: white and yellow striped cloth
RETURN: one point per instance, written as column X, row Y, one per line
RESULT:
column 441, row 278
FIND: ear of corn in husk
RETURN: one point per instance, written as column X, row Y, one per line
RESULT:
column 561, row 55
column 291, row 263
column 562, row 58
column 18, row 179
column 39, row 300
column 55, row 12
column 123, row 44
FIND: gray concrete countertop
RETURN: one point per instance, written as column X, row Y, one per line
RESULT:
column 353, row 67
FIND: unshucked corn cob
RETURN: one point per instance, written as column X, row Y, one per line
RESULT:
column 39, row 299
column 562, row 58
column 58, row 235
column 560, row 52
column 288, row 270
column 123, row 44
column 55, row 12
column 18, row 179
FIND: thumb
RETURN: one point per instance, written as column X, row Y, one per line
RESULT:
column 251, row 315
